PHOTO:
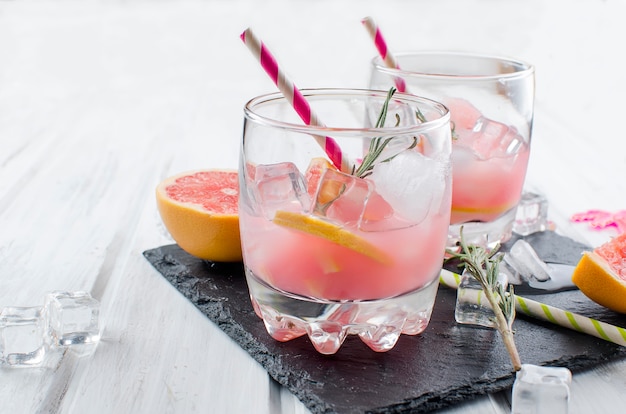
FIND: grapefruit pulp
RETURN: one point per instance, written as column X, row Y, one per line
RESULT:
column 199, row 209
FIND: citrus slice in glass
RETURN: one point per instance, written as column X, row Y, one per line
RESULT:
column 462, row 214
column 336, row 195
column 332, row 233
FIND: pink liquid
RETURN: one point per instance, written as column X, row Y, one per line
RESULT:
column 482, row 190
column 312, row 266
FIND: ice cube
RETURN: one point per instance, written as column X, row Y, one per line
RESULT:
column 280, row 187
column 488, row 139
column 472, row 306
column 540, row 389
column 411, row 183
column 494, row 139
column 532, row 214
column 22, row 339
column 523, row 258
column 463, row 159
column 72, row 318
column 527, row 270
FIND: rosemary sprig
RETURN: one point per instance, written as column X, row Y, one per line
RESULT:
column 484, row 266
column 377, row 145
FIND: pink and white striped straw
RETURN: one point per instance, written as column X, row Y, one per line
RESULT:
column 383, row 51
column 293, row 96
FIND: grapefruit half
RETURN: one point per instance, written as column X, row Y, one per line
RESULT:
column 601, row 274
column 199, row 209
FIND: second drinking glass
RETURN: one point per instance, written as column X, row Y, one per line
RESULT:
column 491, row 107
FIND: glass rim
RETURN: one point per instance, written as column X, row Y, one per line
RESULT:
column 350, row 92
column 527, row 69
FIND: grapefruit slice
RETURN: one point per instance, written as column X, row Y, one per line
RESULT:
column 461, row 214
column 332, row 233
column 337, row 198
column 314, row 174
column 601, row 274
column 199, row 209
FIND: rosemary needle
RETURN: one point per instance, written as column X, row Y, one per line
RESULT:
column 377, row 145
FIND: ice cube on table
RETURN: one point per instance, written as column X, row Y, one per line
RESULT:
column 527, row 269
column 539, row 389
column 22, row 336
column 524, row 260
column 472, row 306
column 532, row 214
column 280, row 187
column 411, row 183
column 72, row 318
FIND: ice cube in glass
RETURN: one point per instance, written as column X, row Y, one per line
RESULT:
column 22, row 336
column 489, row 139
column 539, row 389
column 280, row 187
column 72, row 318
column 412, row 183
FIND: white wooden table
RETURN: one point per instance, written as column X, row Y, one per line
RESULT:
column 101, row 100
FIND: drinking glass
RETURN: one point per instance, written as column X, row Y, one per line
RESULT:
column 352, row 249
column 491, row 111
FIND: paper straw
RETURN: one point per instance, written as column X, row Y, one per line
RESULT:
column 557, row 316
column 293, row 96
column 383, row 50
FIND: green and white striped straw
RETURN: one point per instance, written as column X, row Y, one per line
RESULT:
column 557, row 316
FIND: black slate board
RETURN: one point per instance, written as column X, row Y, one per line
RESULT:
column 444, row 365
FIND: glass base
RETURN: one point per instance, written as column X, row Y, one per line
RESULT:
column 486, row 234
column 378, row 323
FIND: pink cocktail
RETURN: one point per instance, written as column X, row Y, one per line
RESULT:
column 389, row 264
column 330, row 253
column 489, row 161
column 491, row 105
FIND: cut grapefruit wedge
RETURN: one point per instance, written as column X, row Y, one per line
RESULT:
column 199, row 209
column 601, row 274
column 341, row 198
column 332, row 233
column 314, row 174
